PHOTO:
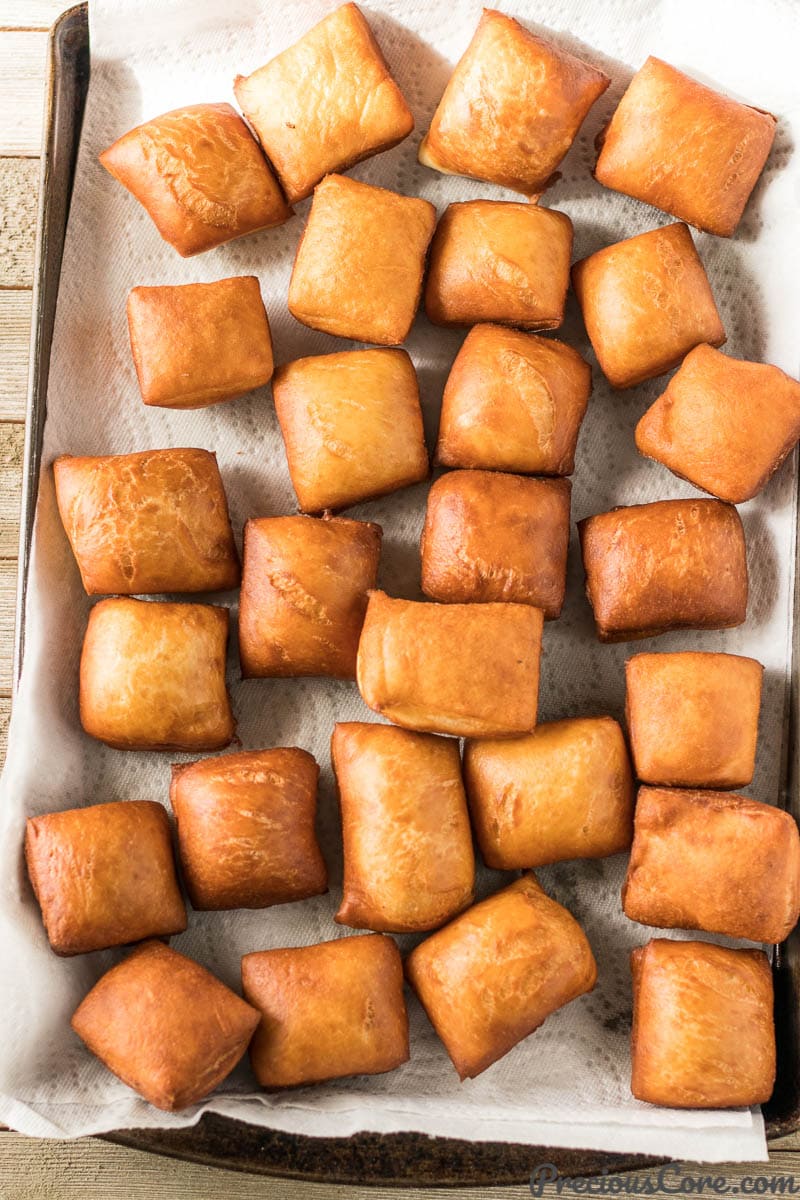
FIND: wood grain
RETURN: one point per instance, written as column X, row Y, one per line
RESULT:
column 8, row 591
column 11, row 446
column 23, row 59
column 19, row 193
column 50, row 1170
column 15, row 332
column 30, row 14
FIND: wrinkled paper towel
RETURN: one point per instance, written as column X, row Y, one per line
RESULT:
column 568, row 1084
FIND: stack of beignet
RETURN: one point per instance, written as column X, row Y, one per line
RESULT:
column 464, row 661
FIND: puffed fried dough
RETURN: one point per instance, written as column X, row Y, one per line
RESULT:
column 104, row 875
column 152, row 676
column 304, row 594
column 325, row 103
column 693, row 718
column 359, row 265
column 512, row 108
column 200, row 175
column 646, row 302
column 684, row 148
column 564, row 791
column 246, row 829
column 493, row 975
column 352, row 426
column 703, row 1034
column 713, row 861
column 408, row 860
column 723, row 424
column 496, row 537
column 196, row 344
column 513, row 402
column 327, row 1011
column 471, row 670
column 165, row 1026
column 146, row 523
column 672, row 564
column 501, row 261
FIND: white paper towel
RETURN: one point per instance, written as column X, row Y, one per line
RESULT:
column 568, row 1084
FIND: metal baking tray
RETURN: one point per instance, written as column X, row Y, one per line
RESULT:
column 366, row 1158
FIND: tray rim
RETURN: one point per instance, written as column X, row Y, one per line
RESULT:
column 368, row 1159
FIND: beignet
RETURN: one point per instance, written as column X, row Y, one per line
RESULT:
column 471, row 670
column 646, row 302
column 494, row 974
column 359, row 265
column 703, row 1034
column 501, row 261
column 198, row 343
column 165, row 1026
column 564, row 791
column 512, row 108
column 684, row 148
column 152, row 676
column 713, row 861
column 352, row 426
column 489, row 536
column 104, row 875
column 304, row 594
column 325, row 103
column 151, row 522
column 408, row 860
column 200, row 175
column 246, row 829
column 723, row 424
column 693, row 718
column 672, row 564
column 327, row 1011
column 513, row 402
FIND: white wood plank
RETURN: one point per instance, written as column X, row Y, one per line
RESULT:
column 15, row 331
column 23, row 56
column 12, row 439
column 19, row 194
column 30, row 14
column 8, row 592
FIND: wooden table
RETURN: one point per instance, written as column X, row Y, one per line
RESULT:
column 91, row 1169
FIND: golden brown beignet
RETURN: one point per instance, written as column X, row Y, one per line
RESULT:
column 104, row 875
column 352, row 426
column 201, row 176
column 512, row 108
column 246, row 829
column 327, row 1011
column 165, row 1026
column 693, row 718
column 494, row 974
column 501, row 261
column 153, row 676
column 713, row 861
column 198, row 343
column 359, row 265
column 684, row 148
column 723, row 424
column 489, row 536
column 703, row 1034
column 151, row 522
column 646, row 303
column 471, row 670
column 672, row 564
column 325, row 103
column 408, row 860
column 304, row 594
column 564, row 791
column 513, row 402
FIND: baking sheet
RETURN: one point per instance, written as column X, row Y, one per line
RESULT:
column 94, row 408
